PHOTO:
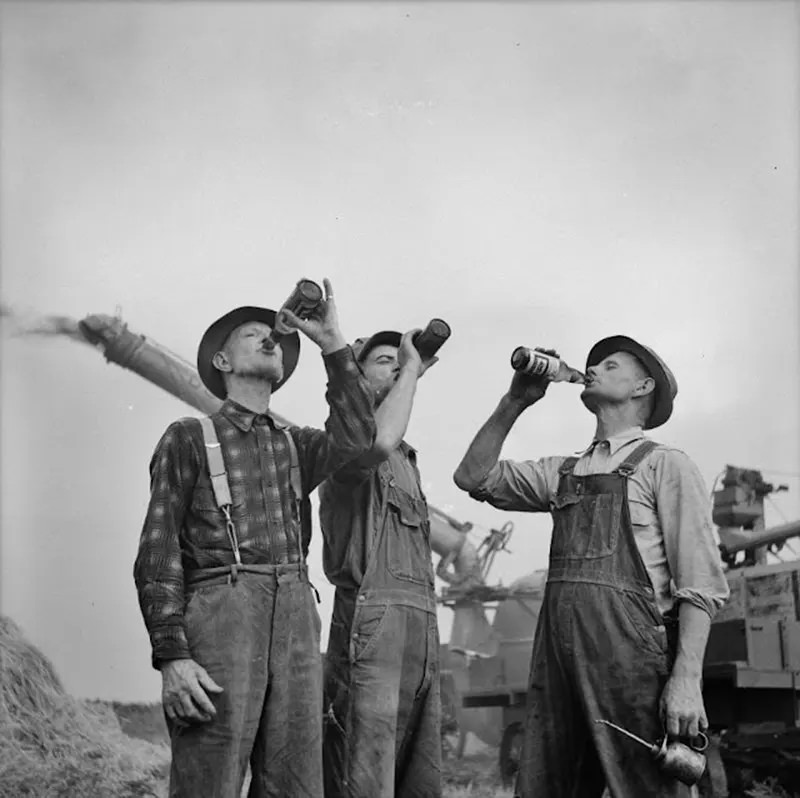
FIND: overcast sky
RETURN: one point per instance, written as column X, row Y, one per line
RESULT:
column 534, row 173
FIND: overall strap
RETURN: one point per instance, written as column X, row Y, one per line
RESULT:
column 632, row 461
column 219, row 483
column 567, row 466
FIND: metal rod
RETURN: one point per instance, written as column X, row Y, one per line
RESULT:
column 625, row 731
column 775, row 534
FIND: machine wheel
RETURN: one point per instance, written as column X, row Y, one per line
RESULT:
column 461, row 744
column 453, row 737
column 510, row 752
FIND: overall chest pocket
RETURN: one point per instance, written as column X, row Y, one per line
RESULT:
column 408, row 554
column 585, row 526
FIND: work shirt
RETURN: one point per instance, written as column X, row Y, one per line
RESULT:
column 357, row 502
column 669, row 506
column 184, row 529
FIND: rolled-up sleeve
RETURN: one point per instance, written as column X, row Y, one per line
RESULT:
column 684, row 513
column 526, row 486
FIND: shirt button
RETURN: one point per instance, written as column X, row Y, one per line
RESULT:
column 355, row 636
column 361, row 597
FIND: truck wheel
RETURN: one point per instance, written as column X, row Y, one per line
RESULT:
column 510, row 751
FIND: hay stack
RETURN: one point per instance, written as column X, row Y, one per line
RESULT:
column 54, row 746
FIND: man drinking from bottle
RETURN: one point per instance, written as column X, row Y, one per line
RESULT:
column 633, row 582
column 382, row 701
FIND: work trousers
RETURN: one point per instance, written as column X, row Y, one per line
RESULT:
column 383, row 700
column 258, row 638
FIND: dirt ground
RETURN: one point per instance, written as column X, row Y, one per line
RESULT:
column 475, row 775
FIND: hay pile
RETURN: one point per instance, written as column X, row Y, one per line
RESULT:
column 55, row 746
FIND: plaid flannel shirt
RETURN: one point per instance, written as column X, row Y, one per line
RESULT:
column 184, row 530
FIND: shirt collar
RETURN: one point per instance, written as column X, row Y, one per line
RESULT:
column 616, row 442
column 244, row 418
column 407, row 449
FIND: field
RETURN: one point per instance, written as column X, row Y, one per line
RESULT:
column 55, row 746
column 474, row 776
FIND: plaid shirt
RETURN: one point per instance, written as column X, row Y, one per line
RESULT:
column 184, row 530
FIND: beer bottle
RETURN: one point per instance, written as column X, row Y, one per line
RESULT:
column 429, row 341
column 538, row 364
column 303, row 301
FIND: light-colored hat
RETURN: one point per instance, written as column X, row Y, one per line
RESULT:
column 666, row 386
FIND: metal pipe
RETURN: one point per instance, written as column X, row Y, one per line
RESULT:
column 776, row 534
column 150, row 360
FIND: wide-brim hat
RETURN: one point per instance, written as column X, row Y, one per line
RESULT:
column 382, row 338
column 215, row 336
column 666, row 386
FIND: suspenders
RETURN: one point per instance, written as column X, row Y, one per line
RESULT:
column 631, row 462
column 222, row 489
column 625, row 468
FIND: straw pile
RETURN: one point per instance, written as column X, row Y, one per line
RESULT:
column 55, row 746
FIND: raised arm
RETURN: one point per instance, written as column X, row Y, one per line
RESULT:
column 484, row 451
column 350, row 426
column 394, row 412
column 391, row 416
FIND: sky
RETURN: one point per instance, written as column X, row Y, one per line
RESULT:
column 539, row 174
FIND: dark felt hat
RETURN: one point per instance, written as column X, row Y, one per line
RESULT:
column 215, row 336
column 383, row 338
column 666, row 386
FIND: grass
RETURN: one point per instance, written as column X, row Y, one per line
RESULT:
column 768, row 789
column 473, row 776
